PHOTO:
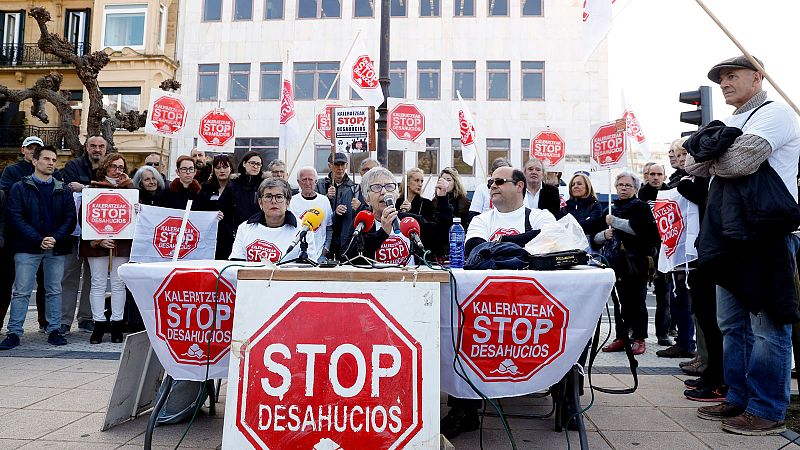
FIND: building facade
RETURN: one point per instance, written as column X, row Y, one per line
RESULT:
column 515, row 63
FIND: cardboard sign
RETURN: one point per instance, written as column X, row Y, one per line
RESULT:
column 353, row 129
column 108, row 213
column 607, row 149
column 549, row 147
column 217, row 128
column 166, row 115
column 332, row 385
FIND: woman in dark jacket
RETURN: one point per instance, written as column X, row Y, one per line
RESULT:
column 415, row 203
column 183, row 188
column 150, row 185
column 212, row 189
column 238, row 202
column 632, row 236
column 583, row 204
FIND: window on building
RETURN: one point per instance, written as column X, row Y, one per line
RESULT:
column 458, row 162
column 498, row 8
column 464, row 79
column 270, row 81
column 273, row 9
column 122, row 99
column 363, row 8
column 124, row 25
column 76, row 29
column 396, row 162
column 162, row 27
column 531, row 7
column 207, row 82
column 318, row 9
column 429, row 8
column 212, row 10
column 397, row 77
column 464, row 8
column 313, row 80
column 428, row 83
column 525, row 150
column 242, row 9
column 267, row 147
column 238, row 81
column 533, row 80
column 321, row 154
column 498, row 79
column 399, row 8
column 429, row 161
column 498, row 148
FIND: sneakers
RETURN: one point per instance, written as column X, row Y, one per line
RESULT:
column 617, row 345
column 664, row 341
column 707, row 393
column 750, row 425
column 87, row 326
column 694, row 360
column 11, row 341
column 638, row 347
column 695, row 383
column 673, row 332
column 459, row 420
column 55, row 338
column 64, row 329
column 695, row 369
column 722, row 411
column 674, row 351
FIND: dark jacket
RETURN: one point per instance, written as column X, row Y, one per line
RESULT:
column 460, row 209
column 209, row 196
column 14, row 173
column 146, row 198
column 176, row 196
column 123, row 246
column 79, row 170
column 25, row 215
column 646, row 240
column 238, row 203
column 420, row 206
column 647, row 193
column 202, row 175
column 550, row 199
column 342, row 224
column 587, row 211
column 675, row 178
column 3, row 218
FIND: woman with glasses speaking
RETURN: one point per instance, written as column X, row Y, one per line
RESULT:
column 238, row 202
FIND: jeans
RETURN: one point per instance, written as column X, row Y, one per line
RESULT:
column 97, row 295
column 757, row 358
column 680, row 311
column 27, row 264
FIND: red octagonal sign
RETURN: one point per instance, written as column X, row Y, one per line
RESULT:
column 670, row 224
column 608, row 145
column 324, row 121
column 364, row 74
column 109, row 213
column 216, row 128
column 193, row 317
column 168, row 115
column 406, row 122
column 331, row 385
column 548, row 147
column 261, row 250
column 512, row 328
column 166, row 236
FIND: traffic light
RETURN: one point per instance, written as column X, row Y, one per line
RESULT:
column 701, row 98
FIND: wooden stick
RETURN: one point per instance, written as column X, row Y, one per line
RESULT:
column 750, row 57
column 181, row 231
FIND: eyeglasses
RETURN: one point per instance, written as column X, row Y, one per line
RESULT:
column 254, row 163
column 498, row 181
column 390, row 187
column 186, row 169
column 624, row 185
column 116, row 166
column 153, row 164
column 273, row 198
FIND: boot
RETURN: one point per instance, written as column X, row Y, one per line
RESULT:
column 116, row 331
column 98, row 332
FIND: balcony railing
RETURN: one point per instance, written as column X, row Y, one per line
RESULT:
column 11, row 136
column 32, row 55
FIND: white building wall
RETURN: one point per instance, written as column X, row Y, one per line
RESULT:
column 576, row 93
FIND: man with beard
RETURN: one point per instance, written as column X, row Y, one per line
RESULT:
column 202, row 168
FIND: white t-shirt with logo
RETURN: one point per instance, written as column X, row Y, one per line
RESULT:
column 396, row 249
column 493, row 224
column 777, row 124
column 256, row 242
column 299, row 205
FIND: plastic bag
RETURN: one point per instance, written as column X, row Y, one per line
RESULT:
column 566, row 234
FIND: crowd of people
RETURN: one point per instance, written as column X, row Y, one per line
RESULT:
column 739, row 343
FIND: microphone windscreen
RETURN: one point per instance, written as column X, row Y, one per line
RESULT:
column 365, row 217
column 409, row 225
column 312, row 218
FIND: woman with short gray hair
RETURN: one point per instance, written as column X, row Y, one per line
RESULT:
column 150, row 184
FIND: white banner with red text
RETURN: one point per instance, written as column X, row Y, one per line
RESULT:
column 520, row 331
column 678, row 222
column 157, row 230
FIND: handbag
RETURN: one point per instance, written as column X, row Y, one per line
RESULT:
column 613, row 250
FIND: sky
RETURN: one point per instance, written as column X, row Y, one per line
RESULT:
column 659, row 48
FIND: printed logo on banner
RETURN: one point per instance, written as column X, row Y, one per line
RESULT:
column 632, row 126
column 364, row 74
column 261, row 250
column 191, row 313
column 168, row 115
column 287, row 102
column 109, row 213
column 467, row 130
column 166, row 236
column 311, row 387
column 513, row 327
column 324, row 122
column 217, row 128
column 670, row 224
column 406, row 122
column 548, row 147
column 500, row 232
column 608, row 145
column 393, row 250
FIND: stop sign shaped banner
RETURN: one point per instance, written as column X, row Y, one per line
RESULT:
column 608, row 146
column 549, row 147
column 670, row 224
column 217, row 127
column 167, row 114
column 406, row 122
column 512, row 328
column 108, row 213
column 324, row 122
column 166, row 237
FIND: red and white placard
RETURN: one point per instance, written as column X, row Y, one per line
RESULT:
column 407, row 125
column 549, row 146
column 332, row 385
column 157, row 230
column 166, row 114
column 108, row 213
column 678, row 222
column 521, row 332
column 607, row 150
column 217, row 128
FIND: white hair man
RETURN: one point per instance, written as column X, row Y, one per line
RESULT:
column 309, row 198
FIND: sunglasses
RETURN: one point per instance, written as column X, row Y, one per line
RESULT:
column 153, row 164
column 498, row 181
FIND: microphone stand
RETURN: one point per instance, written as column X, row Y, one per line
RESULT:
column 302, row 258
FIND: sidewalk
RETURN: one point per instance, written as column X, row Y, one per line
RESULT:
column 57, row 396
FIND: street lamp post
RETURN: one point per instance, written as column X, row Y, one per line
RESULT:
column 383, row 77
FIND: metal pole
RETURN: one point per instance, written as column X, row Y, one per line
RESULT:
column 383, row 77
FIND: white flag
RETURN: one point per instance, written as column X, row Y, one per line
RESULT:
column 633, row 129
column 467, row 127
column 359, row 70
column 595, row 25
column 156, row 234
column 288, row 128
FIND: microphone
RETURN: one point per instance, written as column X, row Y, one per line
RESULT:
column 389, row 200
column 311, row 220
column 410, row 229
column 363, row 222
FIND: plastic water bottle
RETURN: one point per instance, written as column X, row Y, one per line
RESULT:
column 457, row 245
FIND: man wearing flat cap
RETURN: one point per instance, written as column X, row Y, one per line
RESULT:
column 754, row 312
column 340, row 190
